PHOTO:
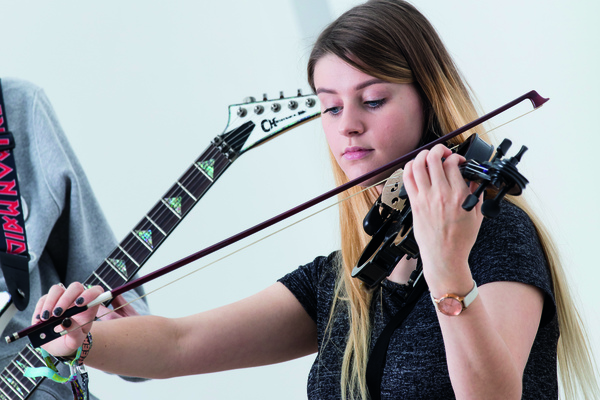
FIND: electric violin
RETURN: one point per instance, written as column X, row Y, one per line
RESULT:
column 389, row 221
column 45, row 331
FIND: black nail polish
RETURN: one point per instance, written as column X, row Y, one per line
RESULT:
column 46, row 314
column 57, row 311
column 79, row 301
column 37, row 316
column 67, row 322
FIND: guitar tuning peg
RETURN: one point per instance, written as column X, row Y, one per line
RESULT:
column 281, row 95
column 299, row 92
column 249, row 99
column 265, row 98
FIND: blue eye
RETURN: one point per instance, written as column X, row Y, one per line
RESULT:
column 375, row 103
column 333, row 110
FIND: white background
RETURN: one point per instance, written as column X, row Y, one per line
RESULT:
column 141, row 87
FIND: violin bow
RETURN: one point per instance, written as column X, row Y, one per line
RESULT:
column 44, row 332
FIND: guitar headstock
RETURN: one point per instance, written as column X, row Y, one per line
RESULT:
column 253, row 123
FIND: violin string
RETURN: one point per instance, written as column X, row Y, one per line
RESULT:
column 487, row 133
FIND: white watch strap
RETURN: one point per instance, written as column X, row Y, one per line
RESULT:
column 472, row 295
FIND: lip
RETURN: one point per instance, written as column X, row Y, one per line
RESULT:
column 356, row 153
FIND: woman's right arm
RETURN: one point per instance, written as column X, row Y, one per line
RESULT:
column 268, row 327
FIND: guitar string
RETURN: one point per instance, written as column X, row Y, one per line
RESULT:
column 226, row 256
column 186, row 180
column 234, row 140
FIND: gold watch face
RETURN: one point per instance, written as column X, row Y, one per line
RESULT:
column 450, row 306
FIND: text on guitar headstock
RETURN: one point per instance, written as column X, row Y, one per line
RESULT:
column 253, row 123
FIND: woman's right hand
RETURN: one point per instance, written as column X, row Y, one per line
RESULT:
column 55, row 303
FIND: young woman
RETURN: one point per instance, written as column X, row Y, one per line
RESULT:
column 386, row 85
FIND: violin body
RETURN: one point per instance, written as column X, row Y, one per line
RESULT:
column 389, row 221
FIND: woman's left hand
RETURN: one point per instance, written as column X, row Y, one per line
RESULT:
column 444, row 231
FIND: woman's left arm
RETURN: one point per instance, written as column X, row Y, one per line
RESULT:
column 488, row 344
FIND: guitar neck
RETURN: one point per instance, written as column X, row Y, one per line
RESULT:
column 153, row 229
column 131, row 253
column 143, row 240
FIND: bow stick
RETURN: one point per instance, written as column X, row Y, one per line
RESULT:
column 44, row 332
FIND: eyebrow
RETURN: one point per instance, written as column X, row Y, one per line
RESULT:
column 357, row 87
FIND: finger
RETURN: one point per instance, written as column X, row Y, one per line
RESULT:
column 55, row 292
column 437, row 172
column 68, row 298
column 409, row 180
column 89, row 295
column 453, row 174
column 421, row 176
column 37, row 313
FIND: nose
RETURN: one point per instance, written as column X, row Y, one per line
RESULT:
column 350, row 122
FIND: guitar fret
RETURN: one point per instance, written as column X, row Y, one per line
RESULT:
column 3, row 394
column 20, row 384
column 131, row 258
column 21, row 372
column 117, row 270
column 11, row 387
column 189, row 194
column 36, row 355
column 141, row 240
column 170, row 209
column 156, row 225
column 203, row 173
column 101, row 280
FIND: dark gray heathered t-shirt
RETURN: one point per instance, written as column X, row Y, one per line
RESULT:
column 507, row 249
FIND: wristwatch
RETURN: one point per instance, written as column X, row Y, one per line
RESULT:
column 452, row 304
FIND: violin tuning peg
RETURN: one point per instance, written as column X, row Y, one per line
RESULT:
column 490, row 208
column 470, row 202
column 472, row 199
column 502, row 149
column 517, row 159
column 504, row 146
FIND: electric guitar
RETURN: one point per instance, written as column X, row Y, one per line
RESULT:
column 250, row 124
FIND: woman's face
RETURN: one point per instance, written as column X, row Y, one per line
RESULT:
column 368, row 122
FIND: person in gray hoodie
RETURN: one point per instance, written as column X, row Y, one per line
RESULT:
column 67, row 233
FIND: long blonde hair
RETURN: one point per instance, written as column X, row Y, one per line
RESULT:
column 393, row 41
